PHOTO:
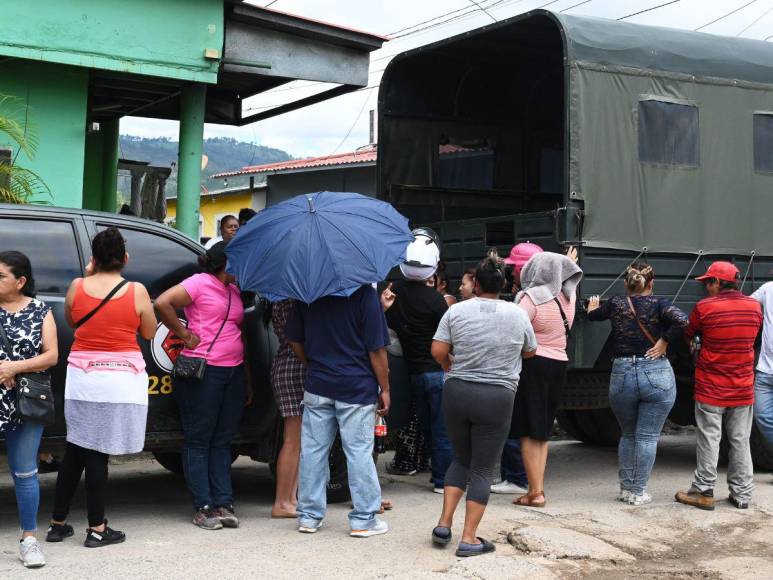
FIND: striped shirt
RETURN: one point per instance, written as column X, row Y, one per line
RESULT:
column 728, row 325
column 549, row 324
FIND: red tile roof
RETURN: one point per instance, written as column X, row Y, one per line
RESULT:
column 364, row 155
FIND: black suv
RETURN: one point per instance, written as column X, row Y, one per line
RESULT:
column 57, row 242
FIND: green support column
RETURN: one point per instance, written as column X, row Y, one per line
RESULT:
column 92, row 171
column 109, row 165
column 192, row 103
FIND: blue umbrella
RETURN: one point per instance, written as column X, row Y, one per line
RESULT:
column 318, row 244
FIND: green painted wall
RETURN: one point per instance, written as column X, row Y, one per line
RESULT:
column 154, row 37
column 51, row 100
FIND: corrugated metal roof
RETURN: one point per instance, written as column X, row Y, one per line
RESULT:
column 364, row 155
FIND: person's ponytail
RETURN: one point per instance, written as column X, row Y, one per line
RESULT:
column 638, row 276
column 490, row 275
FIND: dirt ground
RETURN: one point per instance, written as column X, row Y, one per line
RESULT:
column 582, row 533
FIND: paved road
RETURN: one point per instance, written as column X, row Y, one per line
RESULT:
column 582, row 533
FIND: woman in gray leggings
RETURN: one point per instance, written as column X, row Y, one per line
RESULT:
column 479, row 343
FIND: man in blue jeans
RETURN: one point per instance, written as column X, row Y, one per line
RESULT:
column 763, row 382
column 513, row 472
column 342, row 341
column 413, row 311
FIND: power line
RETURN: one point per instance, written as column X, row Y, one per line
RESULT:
column 756, row 20
column 270, row 3
column 467, row 14
column 726, row 15
column 349, row 132
column 463, row 8
column 576, row 5
column 648, row 9
column 482, row 9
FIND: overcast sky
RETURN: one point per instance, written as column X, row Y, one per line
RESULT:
column 321, row 129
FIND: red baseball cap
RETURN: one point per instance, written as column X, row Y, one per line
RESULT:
column 522, row 253
column 721, row 271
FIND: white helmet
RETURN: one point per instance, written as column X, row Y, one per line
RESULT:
column 421, row 256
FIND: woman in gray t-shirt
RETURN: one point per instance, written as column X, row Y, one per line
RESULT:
column 479, row 343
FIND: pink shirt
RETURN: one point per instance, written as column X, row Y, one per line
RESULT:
column 549, row 326
column 206, row 314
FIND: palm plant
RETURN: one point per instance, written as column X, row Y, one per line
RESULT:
column 19, row 184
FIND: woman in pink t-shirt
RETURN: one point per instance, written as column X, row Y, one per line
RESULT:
column 211, row 408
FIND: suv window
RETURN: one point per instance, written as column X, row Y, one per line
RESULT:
column 157, row 262
column 52, row 250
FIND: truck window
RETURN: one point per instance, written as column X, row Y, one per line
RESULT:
column 156, row 261
column 763, row 142
column 50, row 246
column 668, row 133
column 465, row 167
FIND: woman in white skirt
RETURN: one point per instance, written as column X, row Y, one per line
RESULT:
column 106, row 394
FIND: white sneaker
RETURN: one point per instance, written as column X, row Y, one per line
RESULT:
column 624, row 496
column 381, row 527
column 438, row 490
column 508, row 487
column 31, row 554
column 641, row 499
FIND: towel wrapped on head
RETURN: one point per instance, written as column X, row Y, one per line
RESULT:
column 546, row 275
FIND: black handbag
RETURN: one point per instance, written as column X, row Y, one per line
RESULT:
column 34, row 397
column 194, row 367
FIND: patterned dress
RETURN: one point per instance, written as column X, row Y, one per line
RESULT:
column 288, row 373
column 25, row 333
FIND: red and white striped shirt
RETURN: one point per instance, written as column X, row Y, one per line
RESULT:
column 728, row 325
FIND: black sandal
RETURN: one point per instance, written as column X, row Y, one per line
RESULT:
column 485, row 547
column 441, row 535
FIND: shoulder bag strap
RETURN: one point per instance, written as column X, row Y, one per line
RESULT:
column 6, row 342
column 641, row 326
column 105, row 300
column 567, row 328
column 222, row 324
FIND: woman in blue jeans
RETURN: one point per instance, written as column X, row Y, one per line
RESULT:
column 642, row 389
column 30, row 331
column 210, row 408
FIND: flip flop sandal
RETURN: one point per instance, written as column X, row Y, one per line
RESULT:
column 441, row 535
column 528, row 500
column 386, row 505
column 465, row 550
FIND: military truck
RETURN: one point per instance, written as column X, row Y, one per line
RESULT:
column 625, row 140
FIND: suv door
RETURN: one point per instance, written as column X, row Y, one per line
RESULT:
column 158, row 261
column 52, row 245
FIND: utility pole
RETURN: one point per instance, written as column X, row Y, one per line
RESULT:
column 372, row 127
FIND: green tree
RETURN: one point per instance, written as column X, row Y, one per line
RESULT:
column 19, row 184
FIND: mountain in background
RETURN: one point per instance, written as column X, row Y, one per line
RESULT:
column 225, row 154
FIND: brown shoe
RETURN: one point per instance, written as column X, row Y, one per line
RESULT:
column 703, row 501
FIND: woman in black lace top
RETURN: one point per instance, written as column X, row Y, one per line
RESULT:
column 642, row 388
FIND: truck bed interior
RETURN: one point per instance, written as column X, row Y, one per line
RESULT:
column 472, row 137
column 474, row 126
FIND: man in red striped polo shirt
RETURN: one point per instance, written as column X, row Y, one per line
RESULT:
column 728, row 323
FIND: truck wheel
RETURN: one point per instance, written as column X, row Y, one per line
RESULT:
column 592, row 426
column 170, row 460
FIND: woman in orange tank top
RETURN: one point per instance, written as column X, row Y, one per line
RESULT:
column 106, row 392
